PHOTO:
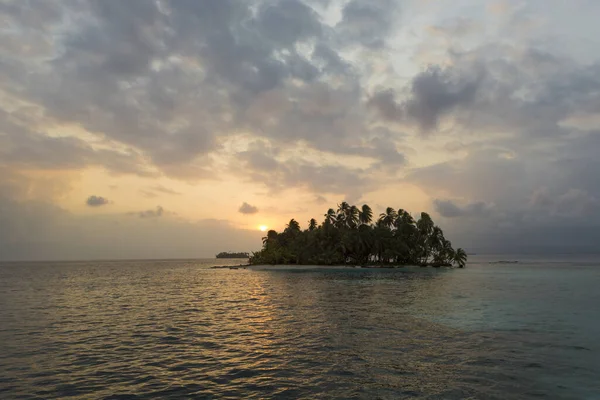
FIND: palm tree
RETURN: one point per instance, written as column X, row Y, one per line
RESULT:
column 460, row 258
column 270, row 238
column 292, row 226
column 343, row 207
column 330, row 217
column 435, row 238
column 404, row 217
column 425, row 224
column 352, row 217
column 365, row 215
column 388, row 217
column 349, row 235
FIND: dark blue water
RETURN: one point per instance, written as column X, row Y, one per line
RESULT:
column 176, row 329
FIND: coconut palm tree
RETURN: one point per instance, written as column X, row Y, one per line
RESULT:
column 270, row 238
column 404, row 217
column 348, row 235
column 330, row 216
column 352, row 217
column 388, row 217
column 425, row 224
column 292, row 226
column 365, row 215
column 343, row 207
column 460, row 258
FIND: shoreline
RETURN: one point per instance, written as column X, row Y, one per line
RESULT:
column 259, row 267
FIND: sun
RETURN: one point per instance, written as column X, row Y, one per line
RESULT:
column 263, row 228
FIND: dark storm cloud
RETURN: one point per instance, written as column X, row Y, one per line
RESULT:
column 247, row 209
column 96, row 201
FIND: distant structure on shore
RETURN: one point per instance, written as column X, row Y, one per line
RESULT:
column 226, row 254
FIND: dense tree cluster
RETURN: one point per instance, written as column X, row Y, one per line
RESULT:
column 226, row 254
column 351, row 236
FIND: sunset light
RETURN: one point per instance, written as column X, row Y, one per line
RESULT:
column 426, row 174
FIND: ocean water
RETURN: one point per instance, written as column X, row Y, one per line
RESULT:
column 177, row 329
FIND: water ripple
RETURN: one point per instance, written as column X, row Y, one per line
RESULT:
column 139, row 330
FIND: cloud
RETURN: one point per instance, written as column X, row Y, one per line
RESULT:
column 572, row 203
column 320, row 200
column 367, row 23
column 33, row 230
column 160, row 84
column 148, row 194
column 156, row 190
column 433, row 93
column 165, row 190
column 261, row 163
column 456, row 27
column 247, row 209
column 450, row 209
column 24, row 147
column 96, row 201
column 152, row 213
column 330, row 98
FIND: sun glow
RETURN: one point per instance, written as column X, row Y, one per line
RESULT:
column 263, row 228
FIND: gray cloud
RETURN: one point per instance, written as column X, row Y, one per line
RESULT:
column 261, row 164
column 96, row 201
column 155, row 190
column 522, row 150
column 23, row 147
column 450, row 209
column 247, row 209
column 169, row 79
column 456, row 27
column 572, row 203
column 159, row 87
column 367, row 22
column 152, row 213
column 433, row 93
column 320, row 200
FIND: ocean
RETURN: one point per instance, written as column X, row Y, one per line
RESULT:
column 178, row 329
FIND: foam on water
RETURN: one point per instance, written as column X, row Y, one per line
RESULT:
column 176, row 329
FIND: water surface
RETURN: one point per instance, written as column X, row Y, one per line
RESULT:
column 177, row 329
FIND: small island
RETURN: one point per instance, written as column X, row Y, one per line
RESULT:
column 350, row 236
column 226, row 254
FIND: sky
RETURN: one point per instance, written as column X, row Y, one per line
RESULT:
column 176, row 129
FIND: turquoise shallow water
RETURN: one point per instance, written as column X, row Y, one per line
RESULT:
column 177, row 329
